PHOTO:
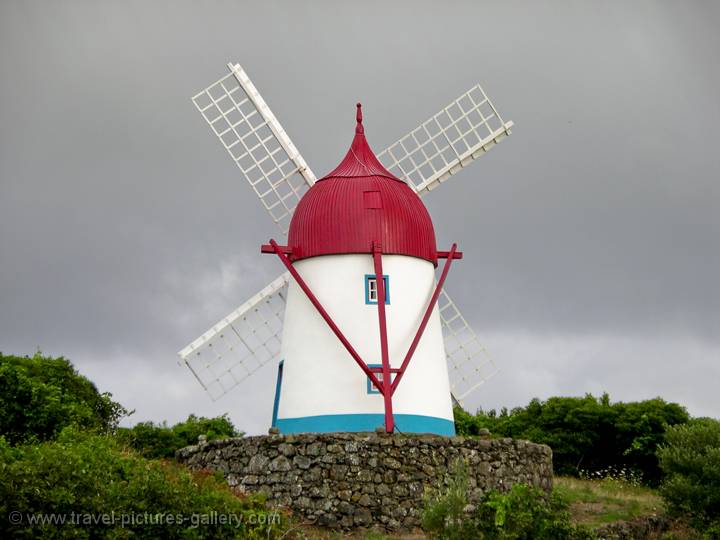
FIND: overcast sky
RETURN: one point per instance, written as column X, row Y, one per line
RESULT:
column 591, row 235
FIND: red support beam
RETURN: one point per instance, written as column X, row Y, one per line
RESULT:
column 426, row 317
column 387, row 382
column 267, row 248
column 446, row 254
column 324, row 314
column 379, row 370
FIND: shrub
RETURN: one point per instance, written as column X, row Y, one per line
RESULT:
column 91, row 475
column 522, row 513
column 161, row 441
column 526, row 513
column 445, row 515
column 39, row 396
column 690, row 459
column 586, row 434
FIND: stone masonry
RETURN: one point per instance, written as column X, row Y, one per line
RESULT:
column 352, row 480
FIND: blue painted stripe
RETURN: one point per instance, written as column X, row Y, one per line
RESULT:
column 278, row 387
column 330, row 423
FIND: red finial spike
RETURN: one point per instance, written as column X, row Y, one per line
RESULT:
column 359, row 127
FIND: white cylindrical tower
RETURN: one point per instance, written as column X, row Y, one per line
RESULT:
column 357, row 216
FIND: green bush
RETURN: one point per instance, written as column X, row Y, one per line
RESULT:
column 161, row 441
column 586, row 434
column 446, row 513
column 92, row 475
column 39, row 396
column 524, row 513
column 690, row 459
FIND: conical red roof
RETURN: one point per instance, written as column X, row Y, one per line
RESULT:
column 358, row 203
column 360, row 159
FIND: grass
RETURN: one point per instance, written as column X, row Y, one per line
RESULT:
column 317, row 533
column 592, row 503
column 597, row 502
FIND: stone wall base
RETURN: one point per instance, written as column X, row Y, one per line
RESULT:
column 347, row 480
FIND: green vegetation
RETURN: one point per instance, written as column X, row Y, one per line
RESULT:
column 586, row 434
column 522, row 513
column 690, row 459
column 40, row 396
column 63, row 457
column 614, row 498
column 63, row 454
column 85, row 474
column 160, row 441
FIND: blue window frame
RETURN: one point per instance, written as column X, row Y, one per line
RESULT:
column 370, row 387
column 371, row 290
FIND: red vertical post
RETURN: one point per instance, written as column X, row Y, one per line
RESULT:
column 387, row 382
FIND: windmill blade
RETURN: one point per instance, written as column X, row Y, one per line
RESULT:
column 469, row 364
column 448, row 141
column 256, row 142
column 240, row 344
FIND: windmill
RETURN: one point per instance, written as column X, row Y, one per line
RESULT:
column 262, row 330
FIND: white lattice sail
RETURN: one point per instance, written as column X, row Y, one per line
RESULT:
column 241, row 343
column 469, row 364
column 256, row 142
column 445, row 143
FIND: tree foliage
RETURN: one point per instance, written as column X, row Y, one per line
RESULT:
column 40, row 395
column 690, row 459
column 161, row 441
column 586, row 434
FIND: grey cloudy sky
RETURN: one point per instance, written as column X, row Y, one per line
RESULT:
column 592, row 234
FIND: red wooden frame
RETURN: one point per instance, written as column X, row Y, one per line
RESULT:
column 388, row 386
column 385, row 355
column 287, row 250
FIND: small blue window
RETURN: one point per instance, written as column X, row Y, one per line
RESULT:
column 371, row 289
column 370, row 387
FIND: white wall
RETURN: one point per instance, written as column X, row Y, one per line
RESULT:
column 320, row 376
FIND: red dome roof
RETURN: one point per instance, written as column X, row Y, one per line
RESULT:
column 358, row 203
